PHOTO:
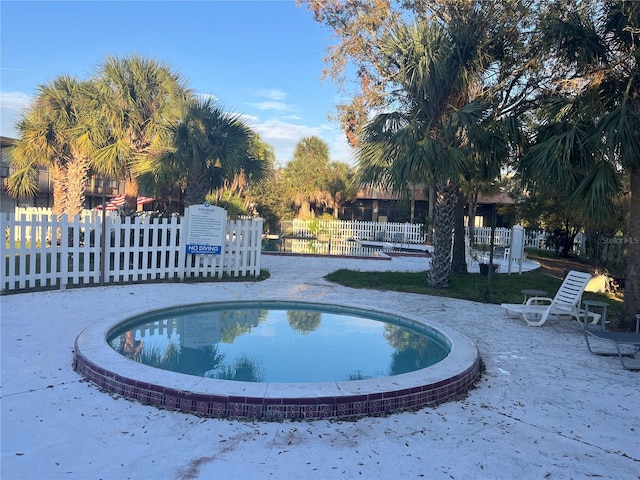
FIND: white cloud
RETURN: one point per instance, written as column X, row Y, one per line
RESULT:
column 272, row 94
column 15, row 100
column 277, row 129
column 284, row 136
column 11, row 106
column 271, row 105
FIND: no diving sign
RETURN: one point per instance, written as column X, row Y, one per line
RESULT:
column 206, row 229
column 204, row 249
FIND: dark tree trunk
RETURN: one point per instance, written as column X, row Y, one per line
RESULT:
column 443, row 221
column 631, row 306
column 473, row 208
column 459, row 261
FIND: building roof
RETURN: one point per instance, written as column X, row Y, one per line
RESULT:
column 501, row 198
column 7, row 141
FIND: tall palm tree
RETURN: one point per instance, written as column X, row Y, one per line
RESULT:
column 208, row 148
column 135, row 103
column 48, row 137
column 66, row 100
column 306, row 176
column 431, row 135
column 590, row 119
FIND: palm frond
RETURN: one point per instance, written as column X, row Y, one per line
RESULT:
column 23, row 182
column 597, row 190
column 621, row 129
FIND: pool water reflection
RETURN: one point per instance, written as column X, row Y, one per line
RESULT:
column 292, row 345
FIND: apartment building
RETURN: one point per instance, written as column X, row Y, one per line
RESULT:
column 95, row 185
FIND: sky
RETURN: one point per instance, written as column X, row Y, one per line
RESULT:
column 260, row 59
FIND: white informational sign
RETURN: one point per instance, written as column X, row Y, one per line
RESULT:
column 206, row 229
column 201, row 330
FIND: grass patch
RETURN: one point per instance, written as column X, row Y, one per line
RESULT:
column 263, row 275
column 471, row 286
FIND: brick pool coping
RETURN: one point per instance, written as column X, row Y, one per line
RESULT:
column 97, row 362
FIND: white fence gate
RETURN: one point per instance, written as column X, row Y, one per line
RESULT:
column 46, row 251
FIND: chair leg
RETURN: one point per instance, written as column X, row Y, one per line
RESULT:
column 535, row 319
column 586, row 338
column 619, row 353
column 621, row 356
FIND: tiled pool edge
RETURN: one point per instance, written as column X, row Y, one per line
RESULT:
column 99, row 364
column 254, row 408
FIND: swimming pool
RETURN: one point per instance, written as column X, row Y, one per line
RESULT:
column 292, row 344
column 213, row 397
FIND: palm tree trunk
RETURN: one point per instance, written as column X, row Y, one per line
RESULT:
column 473, row 208
column 197, row 186
column 77, row 169
column 413, row 203
column 130, row 198
column 305, row 210
column 459, row 260
column 631, row 305
column 59, row 181
column 432, row 204
column 443, row 222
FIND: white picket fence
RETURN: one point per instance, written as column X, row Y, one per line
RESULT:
column 47, row 251
column 379, row 231
column 396, row 232
column 31, row 212
column 502, row 238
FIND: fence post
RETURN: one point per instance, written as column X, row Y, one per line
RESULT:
column 182, row 241
column 64, row 251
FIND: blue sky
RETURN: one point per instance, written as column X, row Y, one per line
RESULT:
column 260, row 59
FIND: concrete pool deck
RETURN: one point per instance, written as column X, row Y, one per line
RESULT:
column 544, row 408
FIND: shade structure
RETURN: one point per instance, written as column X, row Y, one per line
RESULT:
column 118, row 202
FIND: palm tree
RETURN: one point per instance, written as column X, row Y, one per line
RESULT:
column 341, row 186
column 208, row 148
column 37, row 146
column 431, row 136
column 306, row 176
column 590, row 120
column 136, row 101
column 66, row 100
column 303, row 321
column 49, row 132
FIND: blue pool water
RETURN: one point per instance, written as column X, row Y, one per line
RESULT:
column 278, row 342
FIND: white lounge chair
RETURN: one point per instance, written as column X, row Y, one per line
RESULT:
column 626, row 344
column 566, row 303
